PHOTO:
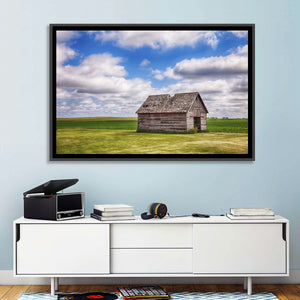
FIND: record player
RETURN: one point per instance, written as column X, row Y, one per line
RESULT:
column 44, row 201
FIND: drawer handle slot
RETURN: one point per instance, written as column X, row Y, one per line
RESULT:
column 284, row 231
column 18, row 232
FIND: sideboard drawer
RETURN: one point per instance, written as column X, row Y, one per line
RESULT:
column 155, row 261
column 151, row 236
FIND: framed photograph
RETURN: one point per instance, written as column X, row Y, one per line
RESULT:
column 152, row 91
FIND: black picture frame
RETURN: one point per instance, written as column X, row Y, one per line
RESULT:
column 56, row 156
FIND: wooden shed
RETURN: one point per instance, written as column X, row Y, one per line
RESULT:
column 182, row 112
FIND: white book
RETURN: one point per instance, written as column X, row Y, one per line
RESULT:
column 116, row 218
column 112, row 213
column 232, row 217
column 113, row 207
column 251, row 211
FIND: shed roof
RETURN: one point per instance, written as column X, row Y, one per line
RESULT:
column 179, row 103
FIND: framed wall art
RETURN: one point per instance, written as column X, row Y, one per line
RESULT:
column 152, row 91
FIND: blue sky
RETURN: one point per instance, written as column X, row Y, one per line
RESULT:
column 111, row 73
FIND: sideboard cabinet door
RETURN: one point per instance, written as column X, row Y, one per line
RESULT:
column 63, row 249
column 239, row 248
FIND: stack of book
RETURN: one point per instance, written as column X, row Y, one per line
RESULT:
column 143, row 292
column 112, row 212
column 251, row 214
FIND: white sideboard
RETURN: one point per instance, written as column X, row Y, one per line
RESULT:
column 169, row 247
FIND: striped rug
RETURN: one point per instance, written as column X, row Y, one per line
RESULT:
column 178, row 296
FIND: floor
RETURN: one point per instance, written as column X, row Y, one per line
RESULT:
column 283, row 292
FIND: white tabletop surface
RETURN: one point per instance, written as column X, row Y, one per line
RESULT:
column 166, row 220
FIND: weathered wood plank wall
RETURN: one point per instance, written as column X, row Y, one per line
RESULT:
column 197, row 110
column 162, row 122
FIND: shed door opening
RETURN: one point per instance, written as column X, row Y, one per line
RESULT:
column 197, row 123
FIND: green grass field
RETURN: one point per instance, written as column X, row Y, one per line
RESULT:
column 107, row 135
column 97, row 123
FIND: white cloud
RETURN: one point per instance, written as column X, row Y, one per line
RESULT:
column 240, row 34
column 64, row 36
column 97, row 72
column 97, row 83
column 158, row 74
column 145, row 62
column 158, row 39
column 63, row 53
column 209, row 68
column 241, row 51
column 207, row 87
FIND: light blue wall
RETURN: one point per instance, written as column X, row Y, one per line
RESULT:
column 208, row 187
